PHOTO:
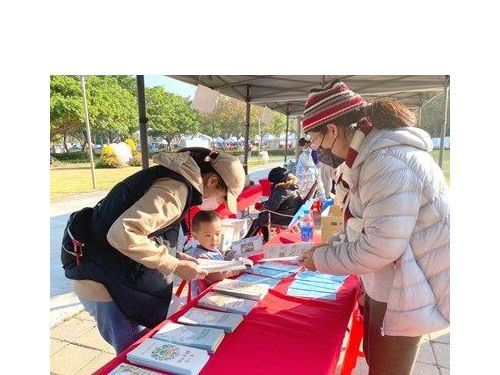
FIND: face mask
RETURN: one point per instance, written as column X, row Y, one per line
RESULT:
column 326, row 156
column 209, row 204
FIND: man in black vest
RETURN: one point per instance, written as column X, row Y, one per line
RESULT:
column 121, row 253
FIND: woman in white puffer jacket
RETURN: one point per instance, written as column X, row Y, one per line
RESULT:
column 396, row 216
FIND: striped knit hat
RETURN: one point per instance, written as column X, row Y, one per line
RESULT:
column 327, row 104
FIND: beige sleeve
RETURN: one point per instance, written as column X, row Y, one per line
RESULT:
column 162, row 204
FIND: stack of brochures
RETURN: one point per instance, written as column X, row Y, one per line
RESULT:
column 241, row 289
column 214, row 319
column 274, row 270
column 223, row 302
column 315, row 285
column 165, row 356
column 256, row 279
column 197, row 337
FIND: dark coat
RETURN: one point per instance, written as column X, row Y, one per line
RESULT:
column 284, row 199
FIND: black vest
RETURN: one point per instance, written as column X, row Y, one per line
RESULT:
column 141, row 293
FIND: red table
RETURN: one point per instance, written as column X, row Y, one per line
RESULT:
column 282, row 334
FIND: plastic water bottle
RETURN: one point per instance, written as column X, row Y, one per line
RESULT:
column 306, row 227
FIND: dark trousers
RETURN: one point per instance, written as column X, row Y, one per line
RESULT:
column 259, row 224
column 394, row 355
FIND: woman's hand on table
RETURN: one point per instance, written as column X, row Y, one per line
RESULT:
column 307, row 258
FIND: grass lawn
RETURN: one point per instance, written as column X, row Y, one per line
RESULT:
column 77, row 178
column 446, row 163
column 73, row 179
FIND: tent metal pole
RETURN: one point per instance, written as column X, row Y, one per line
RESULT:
column 247, row 132
column 446, row 119
column 297, row 137
column 286, row 133
column 89, row 142
column 143, row 121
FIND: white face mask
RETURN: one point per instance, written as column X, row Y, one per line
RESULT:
column 209, row 204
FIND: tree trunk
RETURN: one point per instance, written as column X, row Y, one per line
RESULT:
column 64, row 144
column 84, row 145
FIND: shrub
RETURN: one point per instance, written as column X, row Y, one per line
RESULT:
column 136, row 160
column 72, row 157
column 131, row 143
column 109, row 159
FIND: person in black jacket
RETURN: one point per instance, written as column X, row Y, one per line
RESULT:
column 284, row 199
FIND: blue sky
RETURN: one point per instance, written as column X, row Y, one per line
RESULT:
column 171, row 85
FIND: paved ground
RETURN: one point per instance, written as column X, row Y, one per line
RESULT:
column 77, row 348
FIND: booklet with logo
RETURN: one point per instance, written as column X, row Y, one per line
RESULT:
column 126, row 369
column 197, row 337
column 242, row 289
column 161, row 355
column 208, row 318
column 211, row 266
column 223, row 302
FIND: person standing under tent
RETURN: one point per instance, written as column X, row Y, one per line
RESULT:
column 121, row 254
column 307, row 172
column 396, row 219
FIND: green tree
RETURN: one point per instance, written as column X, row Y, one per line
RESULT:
column 112, row 108
column 170, row 115
column 66, row 108
column 433, row 117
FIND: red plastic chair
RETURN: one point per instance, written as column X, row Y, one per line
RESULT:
column 266, row 187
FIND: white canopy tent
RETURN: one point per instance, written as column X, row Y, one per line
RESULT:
column 287, row 94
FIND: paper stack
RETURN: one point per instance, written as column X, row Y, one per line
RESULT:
column 242, row 289
column 256, row 279
column 227, row 303
column 126, row 369
column 173, row 358
column 315, row 285
column 197, row 337
column 215, row 319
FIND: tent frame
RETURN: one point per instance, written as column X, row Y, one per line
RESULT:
column 287, row 94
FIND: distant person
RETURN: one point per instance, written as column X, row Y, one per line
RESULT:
column 206, row 228
column 396, row 219
column 123, row 272
column 284, row 199
column 307, row 171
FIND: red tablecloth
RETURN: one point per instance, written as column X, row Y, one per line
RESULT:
column 282, row 334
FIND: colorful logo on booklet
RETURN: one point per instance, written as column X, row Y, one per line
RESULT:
column 165, row 352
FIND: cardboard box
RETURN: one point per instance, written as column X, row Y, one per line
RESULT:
column 331, row 222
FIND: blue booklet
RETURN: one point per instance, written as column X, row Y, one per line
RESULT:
column 280, row 266
column 329, row 288
column 268, row 272
column 196, row 337
column 256, row 279
column 310, row 293
column 319, row 277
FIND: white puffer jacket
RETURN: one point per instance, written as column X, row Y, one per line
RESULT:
column 398, row 195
